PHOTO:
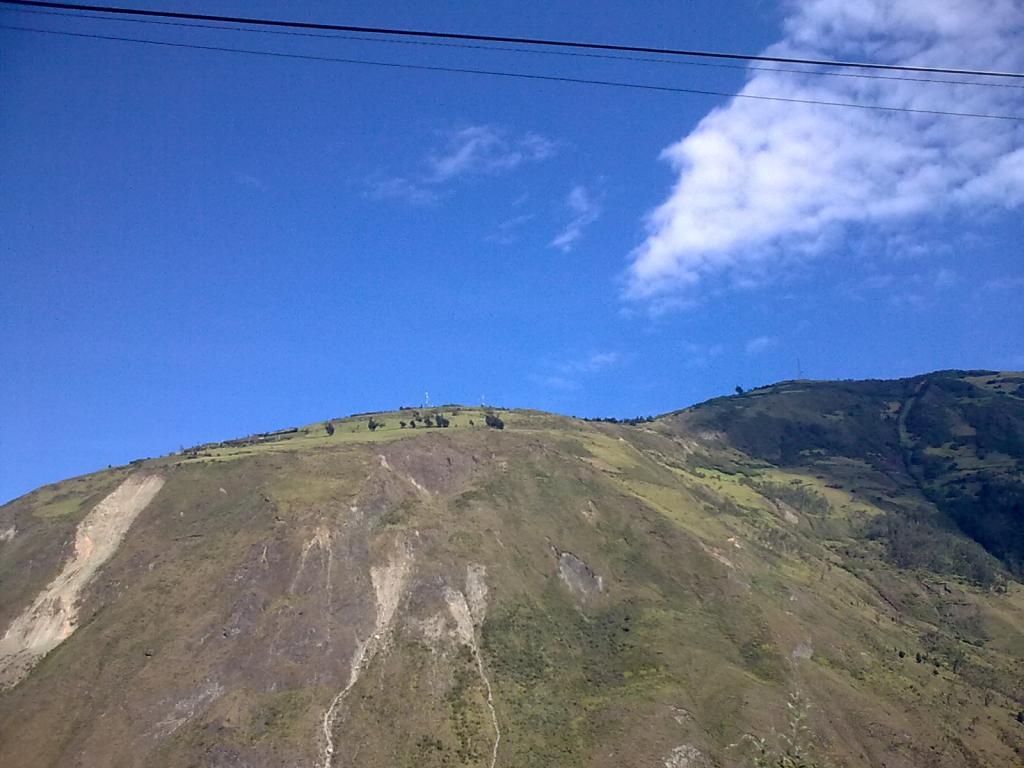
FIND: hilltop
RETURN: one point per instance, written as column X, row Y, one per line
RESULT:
column 829, row 569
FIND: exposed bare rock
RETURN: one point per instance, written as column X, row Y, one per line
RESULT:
column 53, row 616
column 389, row 582
column 187, row 708
column 465, row 619
column 577, row 575
column 476, row 591
column 434, row 467
column 686, row 756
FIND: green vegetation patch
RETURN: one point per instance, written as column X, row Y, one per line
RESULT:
column 555, row 667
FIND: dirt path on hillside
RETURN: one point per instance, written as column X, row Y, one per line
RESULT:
column 53, row 616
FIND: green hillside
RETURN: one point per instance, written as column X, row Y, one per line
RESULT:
column 811, row 573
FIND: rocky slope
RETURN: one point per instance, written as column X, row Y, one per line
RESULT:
column 824, row 568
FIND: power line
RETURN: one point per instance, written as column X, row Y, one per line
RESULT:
column 501, row 39
column 531, row 51
column 516, row 75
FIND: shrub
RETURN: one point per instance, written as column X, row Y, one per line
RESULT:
column 374, row 424
column 612, row 420
column 494, row 421
column 329, row 428
column 638, row 420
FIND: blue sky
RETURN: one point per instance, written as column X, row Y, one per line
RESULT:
column 198, row 245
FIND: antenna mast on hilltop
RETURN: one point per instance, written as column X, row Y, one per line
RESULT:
column 799, row 370
column 426, row 399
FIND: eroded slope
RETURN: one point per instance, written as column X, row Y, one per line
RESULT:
column 556, row 593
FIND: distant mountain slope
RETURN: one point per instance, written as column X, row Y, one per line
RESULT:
column 956, row 436
column 831, row 568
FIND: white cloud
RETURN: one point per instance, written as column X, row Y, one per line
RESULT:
column 944, row 278
column 760, row 344
column 253, row 182
column 585, row 211
column 1005, row 284
column 701, row 355
column 592, row 363
column 485, row 149
column 476, row 150
column 884, row 280
column 568, row 375
column 912, row 290
column 508, row 231
column 557, row 382
column 402, row 188
column 761, row 182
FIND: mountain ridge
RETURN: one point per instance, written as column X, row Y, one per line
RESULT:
column 808, row 569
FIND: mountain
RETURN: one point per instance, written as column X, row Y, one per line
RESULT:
column 824, row 573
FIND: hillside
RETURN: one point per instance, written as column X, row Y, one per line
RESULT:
column 829, row 569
